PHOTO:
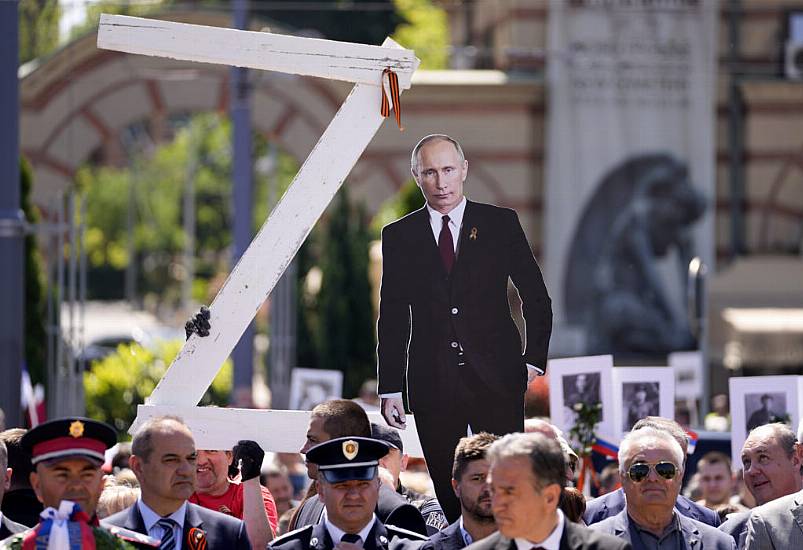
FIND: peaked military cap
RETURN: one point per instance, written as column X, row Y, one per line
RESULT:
column 73, row 436
column 348, row 458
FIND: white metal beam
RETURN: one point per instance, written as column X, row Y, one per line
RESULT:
column 358, row 63
column 275, row 431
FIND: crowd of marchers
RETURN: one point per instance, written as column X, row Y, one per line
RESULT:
column 62, row 488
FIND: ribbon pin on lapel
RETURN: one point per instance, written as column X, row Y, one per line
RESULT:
column 390, row 89
column 473, row 234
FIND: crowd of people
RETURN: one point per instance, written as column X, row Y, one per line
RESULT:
column 69, row 479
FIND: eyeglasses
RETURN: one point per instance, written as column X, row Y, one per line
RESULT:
column 639, row 471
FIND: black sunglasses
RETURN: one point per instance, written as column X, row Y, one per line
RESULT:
column 639, row 471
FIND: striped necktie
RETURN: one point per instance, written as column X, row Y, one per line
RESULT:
column 168, row 535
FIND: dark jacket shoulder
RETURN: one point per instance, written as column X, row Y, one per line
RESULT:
column 451, row 538
column 219, row 529
column 692, row 530
column 736, row 526
column 580, row 537
column 611, row 504
column 300, row 537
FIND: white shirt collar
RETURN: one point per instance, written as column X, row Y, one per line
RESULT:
column 455, row 221
column 336, row 533
column 466, row 535
column 552, row 542
column 149, row 517
column 455, row 215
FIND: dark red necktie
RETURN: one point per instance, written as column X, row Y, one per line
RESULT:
column 446, row 245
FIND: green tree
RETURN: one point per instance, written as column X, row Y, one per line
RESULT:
column 116, row 7
column 408, row 199
column 35, row 336
column 153, row 189
column 346, row 331
column 426, row 31
column 38, row 28
column 115, row 385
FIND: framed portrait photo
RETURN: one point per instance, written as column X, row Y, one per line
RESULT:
column 577, row 380
column 640, row 392
column 759, row 400
column 311, row 387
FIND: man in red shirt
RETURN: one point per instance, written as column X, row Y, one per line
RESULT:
column 245, row 499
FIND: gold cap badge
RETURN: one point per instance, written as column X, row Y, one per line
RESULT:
column 350, row 449
column 77, row 429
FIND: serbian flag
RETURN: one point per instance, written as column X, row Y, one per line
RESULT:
column 67, row 528
column 32, row 399
column 692, row 441
column 605, row 448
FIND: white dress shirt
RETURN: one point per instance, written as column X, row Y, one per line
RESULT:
column 455, row 222
column 149, row 518
column 552, row 542
column 337, row 533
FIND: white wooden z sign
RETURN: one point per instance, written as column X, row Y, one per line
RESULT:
column 274, row 246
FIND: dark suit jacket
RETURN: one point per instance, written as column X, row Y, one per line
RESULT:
column 391, row 509
column 611, row 504
column 8, row 528
column 381, row 537
column 419, row 304
column 736, row 526
column 449, row 539
column 221, row 531
column 698, row 535
column 575, row 537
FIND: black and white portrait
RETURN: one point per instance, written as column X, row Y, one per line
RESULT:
column 639, row 399
column 580, row 388
column 765, row 408
column 311, row 387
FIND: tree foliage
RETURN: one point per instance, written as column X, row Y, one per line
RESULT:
column 38, row 28
column 335, row 320
column 115, row 385
column 426, row 31
column 152, row 188
column 408, row 199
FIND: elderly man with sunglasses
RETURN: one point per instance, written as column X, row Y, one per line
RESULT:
column 651, row 467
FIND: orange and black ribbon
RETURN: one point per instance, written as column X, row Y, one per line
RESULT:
column 196, row 539
column 393, row 84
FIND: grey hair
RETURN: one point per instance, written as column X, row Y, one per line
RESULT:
column 783, row 434
column 545, row 456
column 427, row 139
column 653, row 434
column 142, row 442
column 666, row 425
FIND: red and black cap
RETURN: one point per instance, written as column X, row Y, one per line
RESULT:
column 348, row 458
column 69, row 437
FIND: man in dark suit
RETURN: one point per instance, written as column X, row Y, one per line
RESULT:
column 163, row 459
column 651, row 468
column 444, row 317
column 348, row 485
column 470, row 483
column 19, row 502
column 341, row 418
column 612, row 503
column 771, row 460
column 7, row 527
column 527, row 477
